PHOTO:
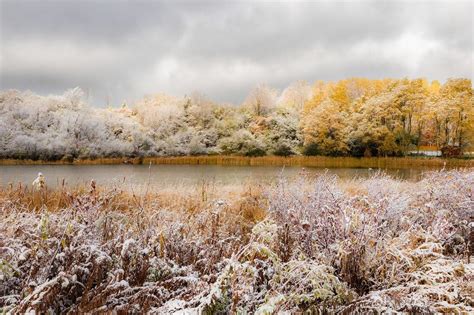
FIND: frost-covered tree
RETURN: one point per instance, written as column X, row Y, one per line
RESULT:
column 327, row 127
column 283, row 136
column 63, row 127
column 296, row 95
column 243, row 142
column 261, row 100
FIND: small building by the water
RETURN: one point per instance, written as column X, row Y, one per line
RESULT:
column 434, row 151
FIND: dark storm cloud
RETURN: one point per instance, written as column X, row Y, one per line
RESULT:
column 126, row 49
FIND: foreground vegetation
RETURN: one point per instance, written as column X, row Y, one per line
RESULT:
column 314, row 244
column 354, row 117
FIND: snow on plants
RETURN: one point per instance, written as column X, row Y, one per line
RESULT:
column 319, row 245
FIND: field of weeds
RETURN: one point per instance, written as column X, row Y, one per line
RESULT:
column 315, row 244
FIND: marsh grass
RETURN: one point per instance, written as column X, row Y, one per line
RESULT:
column 316, row 161
column 309, row 161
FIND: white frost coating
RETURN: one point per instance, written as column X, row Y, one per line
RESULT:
column 176, row 307
column 265, row 231
column 65, row 283
column 127, row 246
column 270, row 306
column 220, row 203
column 24, row 255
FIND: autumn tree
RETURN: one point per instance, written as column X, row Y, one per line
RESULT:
column 326, row 127
column 454, row 113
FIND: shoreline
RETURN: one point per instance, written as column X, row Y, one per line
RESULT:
column 303, row 161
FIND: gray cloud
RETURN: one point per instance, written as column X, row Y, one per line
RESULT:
column 127, row 49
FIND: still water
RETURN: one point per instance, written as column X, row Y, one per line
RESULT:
column 160, row 176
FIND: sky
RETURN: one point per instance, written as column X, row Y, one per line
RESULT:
column 120, row 51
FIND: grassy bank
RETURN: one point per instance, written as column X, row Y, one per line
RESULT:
column 308, row 161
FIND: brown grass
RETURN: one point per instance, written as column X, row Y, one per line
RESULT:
column 247, row 201
column 309, row 161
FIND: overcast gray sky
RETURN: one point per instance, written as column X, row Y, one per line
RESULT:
column 127, row 49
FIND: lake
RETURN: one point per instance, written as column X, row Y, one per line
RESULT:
column 161, row 176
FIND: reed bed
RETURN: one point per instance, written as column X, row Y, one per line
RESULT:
column 314, row 161
column 315, row 245
column 309, row 161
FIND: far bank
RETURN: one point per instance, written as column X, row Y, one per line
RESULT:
column 303, row 161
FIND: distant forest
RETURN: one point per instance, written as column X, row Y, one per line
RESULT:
column 353, row 117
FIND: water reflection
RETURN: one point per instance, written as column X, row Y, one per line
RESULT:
column 178, row 175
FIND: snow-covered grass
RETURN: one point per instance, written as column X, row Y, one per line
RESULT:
column 314, row 244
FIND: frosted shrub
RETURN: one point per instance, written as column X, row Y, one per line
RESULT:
column 256, row 280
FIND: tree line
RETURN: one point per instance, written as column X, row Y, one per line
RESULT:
column 352, row 117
